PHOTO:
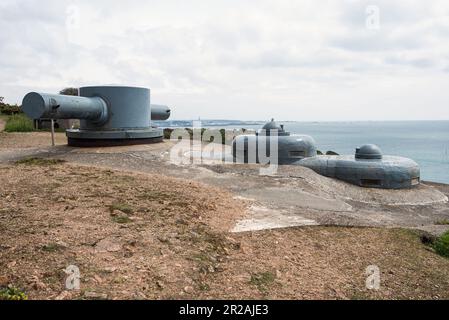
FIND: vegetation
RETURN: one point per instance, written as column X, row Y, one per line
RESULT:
column 123, row 207
column 441, row 245
column 12, row 293
column 122, row 219
column 34, row 161
column 262, row 280
column 9, row 109
column 69, row 91
column 52, row 247
column 19, row 123
column 442, row 222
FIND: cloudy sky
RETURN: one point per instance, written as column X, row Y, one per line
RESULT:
column 291, row 60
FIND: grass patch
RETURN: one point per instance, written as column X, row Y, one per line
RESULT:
column 441, row 245
column 442, row 222
column 123, row 207
column 34, row 161
column 19, row 123
column 53, row 247
column 12, row 293
column 262, row 280
column 121, row 219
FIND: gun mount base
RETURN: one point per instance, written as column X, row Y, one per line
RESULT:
column 88, row 138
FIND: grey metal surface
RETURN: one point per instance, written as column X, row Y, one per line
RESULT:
column 368, row 151
column 160, row 112
column 290, row 149
column 389, row 173
column 53, row 106
column 272, row 128
column 366, row 168
column 115, row 134
column 105, row 112
column 129, row 107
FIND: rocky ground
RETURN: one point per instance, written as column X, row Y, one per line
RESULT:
column 156, row 230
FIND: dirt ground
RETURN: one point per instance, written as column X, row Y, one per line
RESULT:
column 21, row 140
column 149, row 236
column 295, row 196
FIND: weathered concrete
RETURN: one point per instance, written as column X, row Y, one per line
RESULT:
column 293, row 196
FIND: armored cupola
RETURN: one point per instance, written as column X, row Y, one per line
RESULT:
column 368, row 152
column 272, row 128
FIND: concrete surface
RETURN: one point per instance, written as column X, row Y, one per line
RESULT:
column 293, row 196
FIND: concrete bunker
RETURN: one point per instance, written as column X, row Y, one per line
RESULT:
column 368, row 167
column 289, row 147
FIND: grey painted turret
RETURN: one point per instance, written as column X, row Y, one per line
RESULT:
column 368, row 151
column 290, row 148
column 109, row 115
column 367, row 168
column 272, row 128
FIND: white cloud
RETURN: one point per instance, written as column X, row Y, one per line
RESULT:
column 292, row 60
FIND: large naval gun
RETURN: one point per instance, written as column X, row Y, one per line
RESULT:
column 109, row 115
column 368, row 167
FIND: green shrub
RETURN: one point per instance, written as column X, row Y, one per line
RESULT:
column 19, row 123
column 262, row 280
column 441, row 245
column 69, row 91
column 8, row 109
column 12, row 293
column 123, row 207
column 167, row 133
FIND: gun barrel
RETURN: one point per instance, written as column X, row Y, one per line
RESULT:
column 160, row 112
column 53, row 106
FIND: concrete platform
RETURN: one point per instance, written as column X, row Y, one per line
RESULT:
column 293, row 196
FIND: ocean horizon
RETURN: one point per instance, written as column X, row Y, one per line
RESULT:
column 425, row 141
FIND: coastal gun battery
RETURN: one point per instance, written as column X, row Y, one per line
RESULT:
column 290, row 147
column 367, row 168
column 109, row 115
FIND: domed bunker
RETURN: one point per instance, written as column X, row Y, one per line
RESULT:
column 368, row 167
column 272, row 139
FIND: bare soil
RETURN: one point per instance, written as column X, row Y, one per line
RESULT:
column 20, row 140
column 149, row 236
column 2, row 124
